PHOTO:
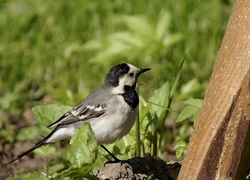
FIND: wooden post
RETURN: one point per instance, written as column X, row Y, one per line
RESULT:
column 220, row 144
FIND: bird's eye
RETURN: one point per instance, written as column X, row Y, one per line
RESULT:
column 131, row 74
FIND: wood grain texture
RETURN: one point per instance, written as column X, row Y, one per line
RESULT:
column 216, row 147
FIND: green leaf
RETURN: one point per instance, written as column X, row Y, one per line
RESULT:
column 195, row 117
column 190, row 88
column 172, row 39
column 139, row 25
column 192, row 110
column 46, row 151
column 84, row 148
column 159, row 100
column 162, row 25
column 33, row 175
column 180, row 148
column 76, row 173
column 194, row 102
column 155, row 120
column 127, row 38
column 47, row 114
column 83, row 153
column 28, row 133
column 7, row 134
column 188, row 112
column 8, row 99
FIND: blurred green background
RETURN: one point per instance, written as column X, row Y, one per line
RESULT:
column 59, row 51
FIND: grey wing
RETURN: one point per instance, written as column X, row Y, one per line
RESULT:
column 81, row 113
column 95, row 105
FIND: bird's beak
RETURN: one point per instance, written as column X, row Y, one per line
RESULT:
column 143, row 70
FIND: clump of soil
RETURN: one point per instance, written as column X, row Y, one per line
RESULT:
column 139, row 168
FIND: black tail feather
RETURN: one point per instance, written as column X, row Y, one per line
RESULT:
column 37, row 145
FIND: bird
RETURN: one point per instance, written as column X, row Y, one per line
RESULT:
column 111, row 111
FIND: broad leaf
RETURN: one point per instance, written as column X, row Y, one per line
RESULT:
column 188, row 112
column 84, row 150
column 33, row 175
column 162, row 25
column 82, row 172
column 180, row 148
column 28, row 133
column 159, row 101
column 47, row 114
column 194, row 102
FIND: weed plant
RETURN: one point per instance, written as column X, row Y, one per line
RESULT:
column 57, row 52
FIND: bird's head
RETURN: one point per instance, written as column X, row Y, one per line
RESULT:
column 123, row 76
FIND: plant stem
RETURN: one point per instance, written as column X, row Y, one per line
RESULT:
column 137, row 136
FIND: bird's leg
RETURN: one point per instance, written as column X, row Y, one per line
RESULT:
column 113, row 156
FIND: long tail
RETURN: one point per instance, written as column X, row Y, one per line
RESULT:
column 37, row 145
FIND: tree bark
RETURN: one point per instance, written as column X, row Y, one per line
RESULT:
column 220, row 145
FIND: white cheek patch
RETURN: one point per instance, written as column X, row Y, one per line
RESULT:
column 125, row 80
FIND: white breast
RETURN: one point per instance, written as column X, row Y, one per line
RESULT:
column 115, row 124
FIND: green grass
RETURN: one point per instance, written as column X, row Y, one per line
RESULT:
column 59, row 51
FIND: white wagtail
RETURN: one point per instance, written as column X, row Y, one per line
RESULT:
column 111, row 110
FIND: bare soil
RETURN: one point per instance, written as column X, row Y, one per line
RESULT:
column 139, row 168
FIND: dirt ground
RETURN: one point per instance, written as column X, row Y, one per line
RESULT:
column 140, row 168
column 135, row 168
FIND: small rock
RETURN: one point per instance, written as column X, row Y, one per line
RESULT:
column 139, row 168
